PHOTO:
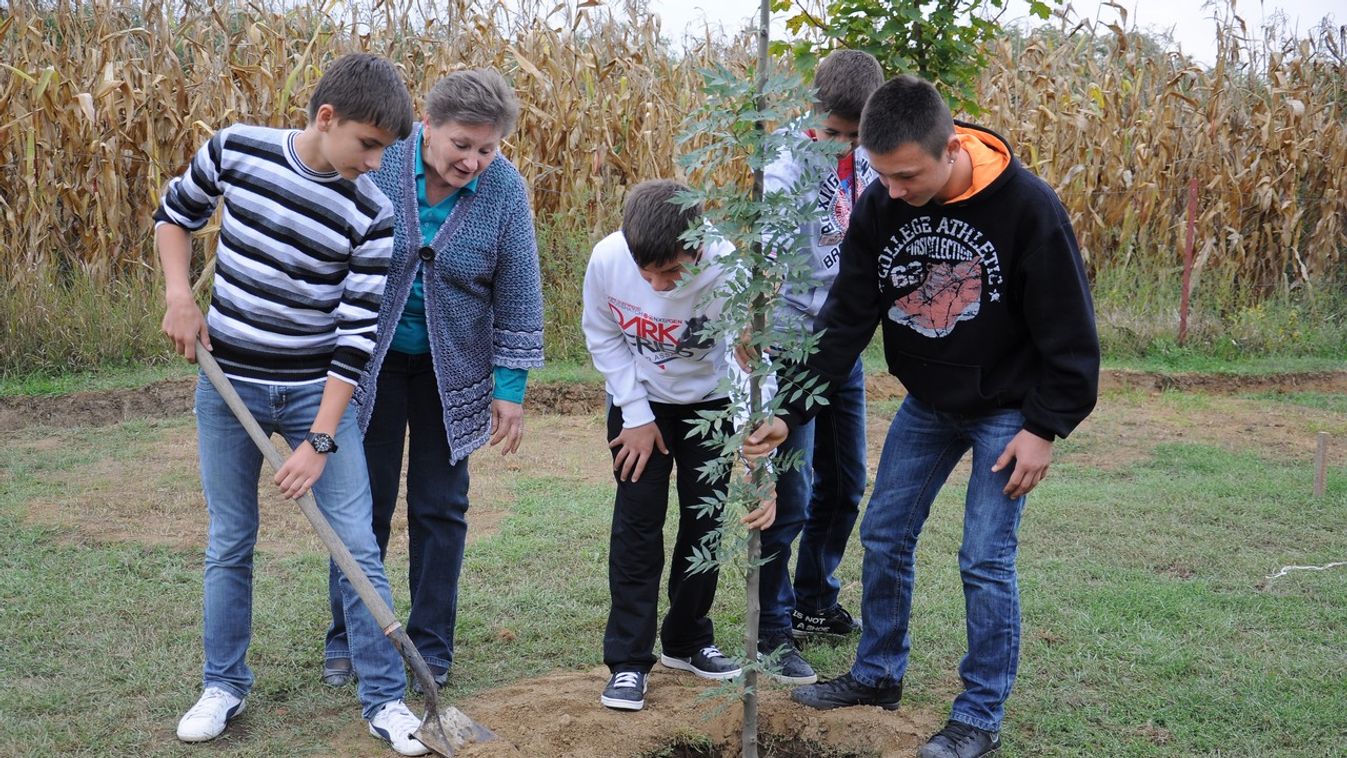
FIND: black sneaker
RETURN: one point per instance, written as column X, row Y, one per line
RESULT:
column 708, row 663
column 845, row 691
column 337, row 672
column 834, row 622
column 960, row 740
column 625, row 691
column 790, row 667
column 441, row 677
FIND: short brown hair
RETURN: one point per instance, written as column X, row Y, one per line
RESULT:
column 365, row 88
column 843, row 82
column 653, row 222
column 906, row 109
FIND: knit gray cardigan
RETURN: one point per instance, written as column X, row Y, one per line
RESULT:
column 484, row 304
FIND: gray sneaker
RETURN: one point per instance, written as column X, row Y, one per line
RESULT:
column 960, row 740
column 781, row 653
column 708, row 663
column 441, row 677
column 625, row 691
column 844, row 692
column 337, row 672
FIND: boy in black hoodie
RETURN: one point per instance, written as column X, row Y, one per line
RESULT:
column 970, row 263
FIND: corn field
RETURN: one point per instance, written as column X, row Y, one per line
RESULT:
column 1121, row 129
column 101, row 103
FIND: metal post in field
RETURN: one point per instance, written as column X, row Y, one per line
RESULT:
column 1188, row 260
column 1320, row 464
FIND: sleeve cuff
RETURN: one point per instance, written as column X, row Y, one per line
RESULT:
column 637, row 413
column 1038, row 430
column 510, row 384
column 343, row 377
column 792, row 417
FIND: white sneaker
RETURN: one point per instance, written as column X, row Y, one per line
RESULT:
column 394, row 724
column 205, row 720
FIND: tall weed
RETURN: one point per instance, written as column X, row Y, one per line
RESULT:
column 53, row 324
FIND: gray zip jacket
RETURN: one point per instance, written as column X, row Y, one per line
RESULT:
column 832, row 214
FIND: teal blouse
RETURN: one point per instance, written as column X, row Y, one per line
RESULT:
column 411, row 336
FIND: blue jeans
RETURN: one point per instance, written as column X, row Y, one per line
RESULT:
column 230, row 467
column 407, row 402
column 922, row 447
column 818, row 502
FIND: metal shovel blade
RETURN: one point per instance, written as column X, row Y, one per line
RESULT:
column 444, row 729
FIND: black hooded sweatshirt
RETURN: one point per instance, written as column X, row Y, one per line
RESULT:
column 984, row 301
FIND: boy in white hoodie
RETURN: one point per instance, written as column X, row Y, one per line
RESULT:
column 643, row 329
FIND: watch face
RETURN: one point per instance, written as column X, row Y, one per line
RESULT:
column 322, row 443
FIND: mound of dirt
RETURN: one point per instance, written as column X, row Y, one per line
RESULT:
column 173, row 397
column 162, row 399
column 559, row 715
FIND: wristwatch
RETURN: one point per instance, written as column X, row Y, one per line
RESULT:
column 322, row 443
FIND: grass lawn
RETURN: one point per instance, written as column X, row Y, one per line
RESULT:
column 1149, row 626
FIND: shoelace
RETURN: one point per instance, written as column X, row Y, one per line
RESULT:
column 712, row 652
column 399, row 719
column 959, row 733
column 627, row 679
column 207, row 702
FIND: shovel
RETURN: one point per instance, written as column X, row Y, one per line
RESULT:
column 444, row 729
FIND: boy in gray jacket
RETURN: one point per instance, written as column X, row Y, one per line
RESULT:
column 820, row 500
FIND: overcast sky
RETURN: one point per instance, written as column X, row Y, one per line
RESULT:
column 1192, row 25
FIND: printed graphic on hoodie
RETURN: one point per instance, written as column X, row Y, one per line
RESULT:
column 837, row 195
column 660, row 340
column 940, row 271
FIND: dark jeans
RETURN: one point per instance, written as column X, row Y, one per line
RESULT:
column 408, row 401
column 818, row 502
column 636, row 548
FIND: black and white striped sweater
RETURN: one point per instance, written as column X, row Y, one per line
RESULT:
column 301, row 262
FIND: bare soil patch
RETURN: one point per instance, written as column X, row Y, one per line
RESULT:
column 1126, row 428
column 559, row 716
column 157, row 500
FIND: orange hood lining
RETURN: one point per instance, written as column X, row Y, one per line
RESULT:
column 990, row 158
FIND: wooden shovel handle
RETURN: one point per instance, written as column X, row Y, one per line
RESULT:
column 432, row 732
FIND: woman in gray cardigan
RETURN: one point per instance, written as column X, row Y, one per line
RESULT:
column 459, row 326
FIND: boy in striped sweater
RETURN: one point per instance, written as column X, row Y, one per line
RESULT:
column 303, row 252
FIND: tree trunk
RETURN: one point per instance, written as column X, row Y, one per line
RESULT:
column 760, row 305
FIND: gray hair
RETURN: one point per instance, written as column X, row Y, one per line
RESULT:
column 474, row 96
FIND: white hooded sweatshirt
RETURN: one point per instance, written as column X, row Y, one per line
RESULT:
column 647, row 343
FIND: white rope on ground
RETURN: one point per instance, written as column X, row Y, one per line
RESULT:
column 1288, row 569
